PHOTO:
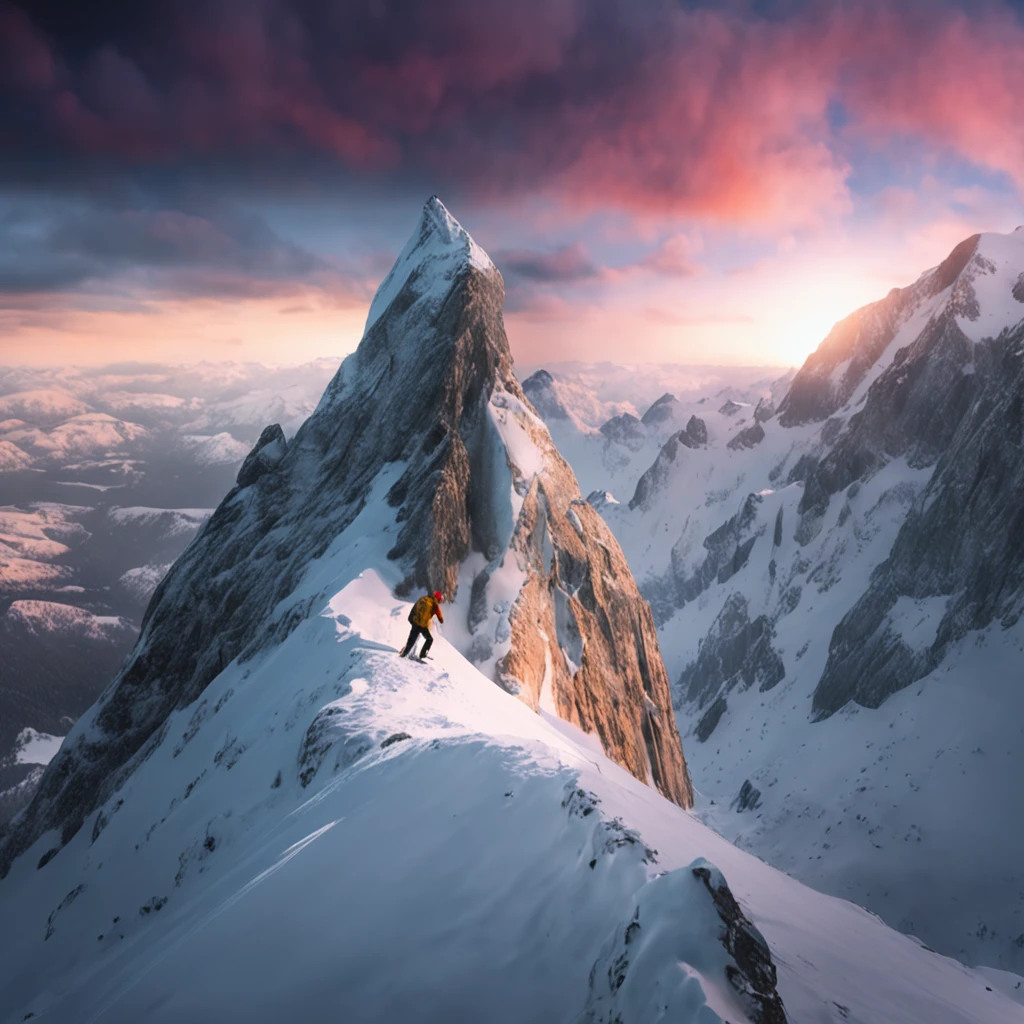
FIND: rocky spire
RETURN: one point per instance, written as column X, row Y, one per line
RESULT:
column 427, row 425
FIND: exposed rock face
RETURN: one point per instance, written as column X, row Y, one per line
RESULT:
column 661, row 411
column 427, row 407
column 625, row 429
column 697, row 431
column 735, row 652
column 728, row 549
column 750, row 437
column 639, row 975
column 754, row 975
column 959, row 558
column 748, row 798
column 267, row 453
column 581, row 627
column 710, row 719
column 601, row 499
column 832, row 373
column 730, row 408
column 694, row 436
column 913, row 410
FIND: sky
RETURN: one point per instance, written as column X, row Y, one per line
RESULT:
column 657, row 181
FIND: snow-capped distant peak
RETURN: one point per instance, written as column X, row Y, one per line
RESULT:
column 436, row 251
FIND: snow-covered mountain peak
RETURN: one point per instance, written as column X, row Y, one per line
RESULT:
column 425, row 438
column 437, row 252
column 975, row 293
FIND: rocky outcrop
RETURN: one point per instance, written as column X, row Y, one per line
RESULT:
column 747, row 799
column 648, row 964
column 697, row 431
column 752, row 973
column 750, row 437
column 728, row 550
column 581, row 627
column 654, row 479
column 737, row 651
column 730, row 408
column 428, row 416
column 266, row 455
column 958, row 560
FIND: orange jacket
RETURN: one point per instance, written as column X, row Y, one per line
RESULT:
column 423, row 610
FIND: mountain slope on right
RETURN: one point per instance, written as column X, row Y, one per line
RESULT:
column 838, row 587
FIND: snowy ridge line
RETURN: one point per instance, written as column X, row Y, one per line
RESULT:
column 480, row 771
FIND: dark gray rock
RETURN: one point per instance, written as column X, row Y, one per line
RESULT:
column 625, row 430
column 963, row 538
column 710, row 719
column 735, row 652
column 660, row 472
column 752, row 973
column 661, row 411
column 697, row 431
column 747, row 799
column 750, row 437
column 266, row 455
column 913, row 410
column 730, row 408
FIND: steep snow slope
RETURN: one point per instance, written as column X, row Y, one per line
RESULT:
column 426, row 848
column 866, row 568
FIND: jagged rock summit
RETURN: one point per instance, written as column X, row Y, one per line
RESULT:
column 426, row 430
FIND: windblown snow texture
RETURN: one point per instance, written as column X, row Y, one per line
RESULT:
column 430, row 396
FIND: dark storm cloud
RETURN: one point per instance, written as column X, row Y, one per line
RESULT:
column 719, row 110
column 45, row 249
column 571, row 263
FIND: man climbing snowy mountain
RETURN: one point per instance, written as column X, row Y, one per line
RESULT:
column 423, row 610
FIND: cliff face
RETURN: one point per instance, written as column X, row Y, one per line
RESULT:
column 832, row 374
column 425, row 423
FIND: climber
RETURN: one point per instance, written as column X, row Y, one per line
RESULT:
column 419, row 618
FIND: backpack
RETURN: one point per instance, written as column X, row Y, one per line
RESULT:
column 420, row 610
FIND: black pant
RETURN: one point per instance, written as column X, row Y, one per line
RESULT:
column 418, row 631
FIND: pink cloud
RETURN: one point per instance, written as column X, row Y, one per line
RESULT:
column 714, row 113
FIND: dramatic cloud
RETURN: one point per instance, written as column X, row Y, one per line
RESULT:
column 185, row 253
column 654, row 107
column 571, row 263
column 251, row 166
